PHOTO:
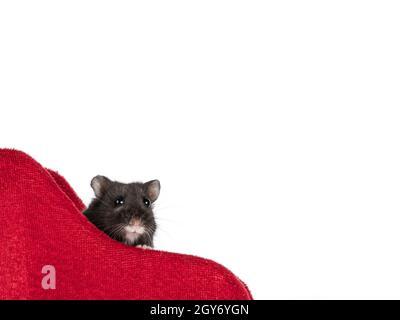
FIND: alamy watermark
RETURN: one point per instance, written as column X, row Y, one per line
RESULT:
column 49, row 278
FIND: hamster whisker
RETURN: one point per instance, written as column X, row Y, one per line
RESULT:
column 115, row 227
column 165, row 232
column 163, row 207
column 148, row 235
column 151, row 227
column 164, row 219
column 116, row 231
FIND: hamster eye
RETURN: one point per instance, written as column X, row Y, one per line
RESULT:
column 119, row 201
column 146, row 202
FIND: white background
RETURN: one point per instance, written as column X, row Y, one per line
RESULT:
column 273, row 127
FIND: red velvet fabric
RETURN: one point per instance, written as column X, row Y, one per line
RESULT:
column 41, row 224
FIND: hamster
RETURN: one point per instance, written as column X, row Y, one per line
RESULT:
column 124, row 211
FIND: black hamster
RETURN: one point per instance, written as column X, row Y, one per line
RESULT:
column 124, row 211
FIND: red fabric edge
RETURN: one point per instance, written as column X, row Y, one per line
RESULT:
column 63, row 186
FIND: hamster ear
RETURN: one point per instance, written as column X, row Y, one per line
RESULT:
column 99, row 185
column 152, row 189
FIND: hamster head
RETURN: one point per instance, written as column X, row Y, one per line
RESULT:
column 124, row 211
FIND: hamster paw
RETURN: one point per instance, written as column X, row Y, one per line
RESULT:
column 143, row 246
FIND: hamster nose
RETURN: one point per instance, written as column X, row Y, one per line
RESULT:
column 135, row 222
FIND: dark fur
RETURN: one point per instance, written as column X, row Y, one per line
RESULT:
column 108, row 217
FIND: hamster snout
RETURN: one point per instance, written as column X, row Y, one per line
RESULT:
column 133, row 231
column 135, row 226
